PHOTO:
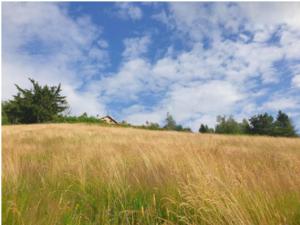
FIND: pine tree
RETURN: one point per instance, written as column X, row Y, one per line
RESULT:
column 203, row 128
column 283, row 126
column 170, row 122
column 262, row 124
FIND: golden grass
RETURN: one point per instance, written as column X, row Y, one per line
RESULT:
column 88, row 174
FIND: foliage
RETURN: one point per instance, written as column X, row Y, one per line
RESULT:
column 36, row 105
column 172, row 125
column 264, row 124
column 283, row 126
column 84, row 118
column 153, row 126
column 261, row 124
column 170, row 122
column 4, row 117
column 205, row 129
column 228, row 126
column 187, row 129
column 245, row 127
column 179, row 127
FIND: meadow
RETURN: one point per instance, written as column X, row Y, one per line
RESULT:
column 90, row 174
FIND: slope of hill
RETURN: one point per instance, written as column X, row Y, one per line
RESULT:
column 87, row 174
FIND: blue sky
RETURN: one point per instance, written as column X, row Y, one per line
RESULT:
column 138, row 61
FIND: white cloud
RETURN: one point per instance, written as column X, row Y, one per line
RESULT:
column 127, row 10
column 141, row 116
column 84, row 102
column 212, row 97
column 41, row 41
column 136, row 47
column 126, row 84
column 199, row 20
column 261, row 36
column 230, row 75
column 198, row 82
column 271, row 13
column 189, row 19
column 290, row 42
column 190, row 104
column 281, row 104
column 296, row 81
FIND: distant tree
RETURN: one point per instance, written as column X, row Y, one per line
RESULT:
column 36, row 105
column 124, row 122
column 179, row 127
column 153, row 126
column 84, row 115
column 228, row 126
column 170, row 122
column 261, row 124
column 187, row 129
column 245, row 127
column 283, row 126
column 205, row 129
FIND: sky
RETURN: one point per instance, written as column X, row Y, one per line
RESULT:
column 138, row 61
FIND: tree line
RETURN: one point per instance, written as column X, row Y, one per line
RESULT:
column 261, row 124
column 42, row 104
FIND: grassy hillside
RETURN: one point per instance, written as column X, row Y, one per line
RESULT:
column 87, row 174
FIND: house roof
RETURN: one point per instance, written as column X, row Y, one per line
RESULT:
column 109, row 117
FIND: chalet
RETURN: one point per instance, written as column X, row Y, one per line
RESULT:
column 109, row 120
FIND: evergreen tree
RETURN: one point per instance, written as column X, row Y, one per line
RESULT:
column 170, row 122
column 262, row 124
column 36, row 105
column 172, row 125
column 205, row 129
column 283, row 126
column 245, row 127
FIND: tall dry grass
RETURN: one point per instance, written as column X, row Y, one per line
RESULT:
column 87, row 174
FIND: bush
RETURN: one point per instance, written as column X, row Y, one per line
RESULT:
column 77, row 119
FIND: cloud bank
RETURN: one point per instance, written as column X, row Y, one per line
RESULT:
column 219, row 58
